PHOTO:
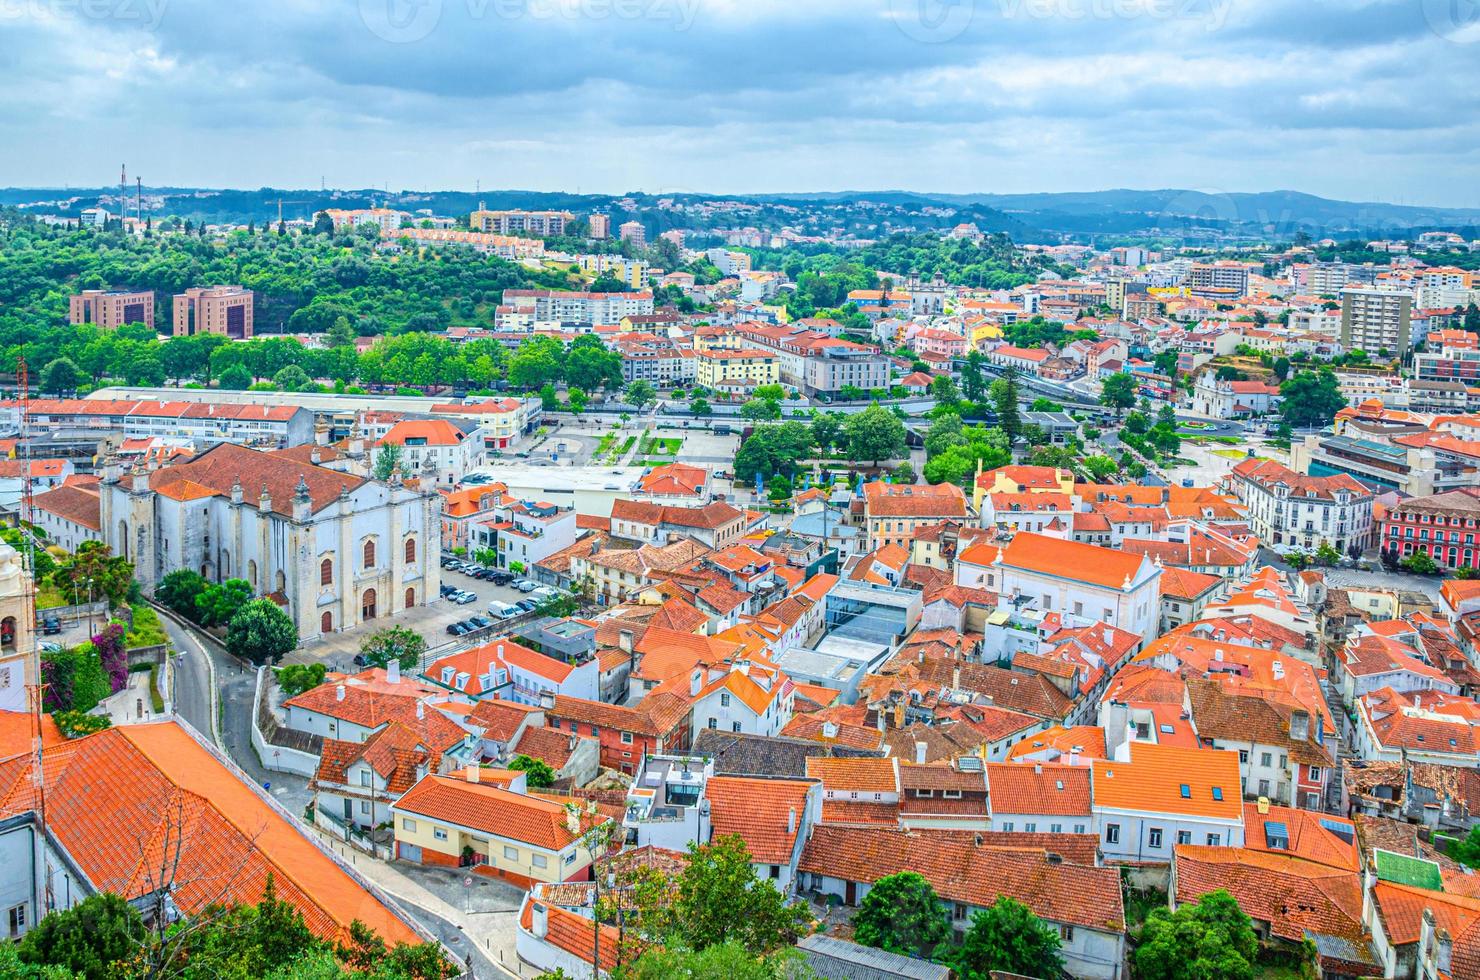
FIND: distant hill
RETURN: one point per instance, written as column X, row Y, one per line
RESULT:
column 1280, row 213
column 1101, row 216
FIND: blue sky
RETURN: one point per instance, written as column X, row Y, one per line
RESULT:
column 1356, row 99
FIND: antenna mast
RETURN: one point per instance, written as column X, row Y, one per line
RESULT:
column 28, row 592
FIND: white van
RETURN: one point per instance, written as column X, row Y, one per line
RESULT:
column 502, row 610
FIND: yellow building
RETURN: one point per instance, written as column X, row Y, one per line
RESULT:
column 1022, row 479
column 633, row 272
column 444, row 821
column 754, row 367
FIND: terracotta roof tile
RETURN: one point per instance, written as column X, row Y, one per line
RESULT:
column 759, row 811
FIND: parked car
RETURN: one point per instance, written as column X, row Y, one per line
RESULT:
column 528, row 605
column 526, row 585
column 503, row 610
column 456, row 629
column 361, row 660
column 447, row 590
column 51, row 625
column 544, row 593
column 47, row 646
column 464, row 597
column 480, row 622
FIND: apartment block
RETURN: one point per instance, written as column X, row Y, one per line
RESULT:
column 634, row 232
column 110, row 309
column 601, row 226
column 224, row 310
column 516, row 222
column 1375, row 320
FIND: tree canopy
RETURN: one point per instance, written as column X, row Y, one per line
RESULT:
column 902, row 914
column 1210, row 939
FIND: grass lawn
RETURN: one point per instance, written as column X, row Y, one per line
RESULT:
column 48, row 596
column 660, row 446
column 1230, row 453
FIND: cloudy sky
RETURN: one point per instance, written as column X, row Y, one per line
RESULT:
column 1356, row 99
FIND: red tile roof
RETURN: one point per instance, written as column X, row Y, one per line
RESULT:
column 962, row 871
column 491, row 810
column 759, row 810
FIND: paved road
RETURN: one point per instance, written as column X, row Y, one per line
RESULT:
column 193, row 700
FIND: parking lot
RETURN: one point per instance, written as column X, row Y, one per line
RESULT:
column 485, row 591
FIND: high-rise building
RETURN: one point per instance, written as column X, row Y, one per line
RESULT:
column 1374, row 320
column 634, row 232
column 108, row 310
column 224, row 310
column 601, row 226
column 1218, row 277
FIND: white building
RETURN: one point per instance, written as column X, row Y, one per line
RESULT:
column 1164, row 796
column 742, row 696
column 437, row 451
column 1082, row 582
column 1292, row 512
column 334, row 550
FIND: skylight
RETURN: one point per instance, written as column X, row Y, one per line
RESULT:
column 1186, row 792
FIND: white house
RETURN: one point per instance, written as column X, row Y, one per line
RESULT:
column 1164, row 796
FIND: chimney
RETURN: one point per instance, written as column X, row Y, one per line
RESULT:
column 920, row 750
column 339, row 692
column 314, row 457
column 624, row 641
column 791, row 821
column 573, row 820
column 1109, row 636
column 1037, row 768
column 421, row 710
column 955, row 677
column 236, row 491
column 696, row 681
column 473, row 771
column 829, row 729
column 393, row 671
column 547, row 700
column 1300, row 725
column 539, row 922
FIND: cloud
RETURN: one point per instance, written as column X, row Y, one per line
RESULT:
column 1364, row 99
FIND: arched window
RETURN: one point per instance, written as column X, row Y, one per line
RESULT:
column 410, row 551
column 225, row 563
column 326, row 571
column 410, row 598
column 280, row 582
column 252, row 573
column 370, row 554
column 123, row 538
column 326, row 623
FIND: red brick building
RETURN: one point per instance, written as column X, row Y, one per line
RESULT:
column 1443, row 525
column 659, row 724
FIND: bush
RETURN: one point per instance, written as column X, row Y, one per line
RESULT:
column 94, row 939
column 75, row 724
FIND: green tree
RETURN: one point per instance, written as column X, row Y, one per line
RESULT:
column 291, row 378
column 774, row 392
column 720, row 899
column 537, row 772
column 1327, row 554
column 179, row 589
column 1118, row 391
column 576, row 399
column 261, row 632
column 761, row 410
column 217, row 604
column 294, row 679
column 398, row 643
column 773, row 449
column 640, row 394
column 323, row 224
column 340, row 334
column 1281, row 368
column 60, row 376
column 779, row 488
column 387, row 460
column 1419, row 563
column 1007, row 936
column 827, row 430
column 1210, row 939
column 944, row 391
column 1472, row 318
column 725, row 961
column 1005, row 400
column 93, row 570
column 902, row 914
column 235, row 378
column 94, row 939
column 973, row 384
column 1466, row 850
column 1311, row 398
column 875, row 434
column 700, row 406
